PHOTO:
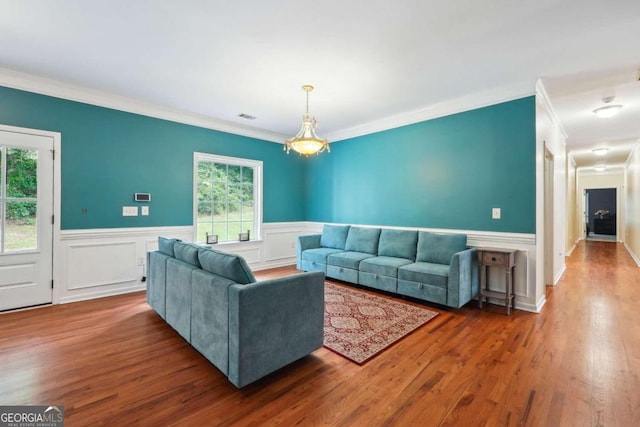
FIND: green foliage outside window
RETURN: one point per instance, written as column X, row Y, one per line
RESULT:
column 225, row 200
column 22, row 183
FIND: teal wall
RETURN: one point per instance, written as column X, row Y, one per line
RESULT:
column 443, row 173
column 107, row 155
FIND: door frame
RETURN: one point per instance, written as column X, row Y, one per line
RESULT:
column 57, row 147
column 619, row 208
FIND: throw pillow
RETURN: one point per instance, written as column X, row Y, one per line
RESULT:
column 363, row 240
column 334, row 236
column 165, row 245
column 439, row 248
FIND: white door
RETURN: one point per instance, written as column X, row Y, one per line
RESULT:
column 26, row 216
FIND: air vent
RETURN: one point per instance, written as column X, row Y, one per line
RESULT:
column 247, row 116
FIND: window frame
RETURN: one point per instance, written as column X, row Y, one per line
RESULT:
column 257, row 190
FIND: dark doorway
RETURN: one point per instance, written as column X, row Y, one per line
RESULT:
column 601, row 213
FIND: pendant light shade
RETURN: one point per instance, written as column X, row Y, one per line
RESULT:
column 306, row 142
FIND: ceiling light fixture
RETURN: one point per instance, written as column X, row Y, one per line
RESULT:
column 306, row 142
column 608, row 110
column 600, row 168
column 600, row 151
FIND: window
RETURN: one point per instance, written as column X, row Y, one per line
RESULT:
column 18, row 199
column 227, row 197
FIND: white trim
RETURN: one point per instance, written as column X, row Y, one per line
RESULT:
column 56, row 198
column 633, row 255
column 631, row 153
column 543, row 96
column 257, row 167
column 103, row 293
column 445, row 108
column 500, row 238
column 58, row 89
column 100, row 233
column 559, row 274
column 611, row 169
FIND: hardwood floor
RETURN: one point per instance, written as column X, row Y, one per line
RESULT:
column 113, row 361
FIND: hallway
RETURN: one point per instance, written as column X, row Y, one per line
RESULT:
column 594, row 336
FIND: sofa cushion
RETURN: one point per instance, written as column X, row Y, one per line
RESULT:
column 363, row 240
column 231, row 266
column 165, row 245
column 398, row 243
column 439, row 248
column 319, row 254
column 187, row 252
column 425, row 272
column 383, row 265
column 347, row 259
column 334, row 236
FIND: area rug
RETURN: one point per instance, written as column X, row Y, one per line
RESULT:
column 358, row 325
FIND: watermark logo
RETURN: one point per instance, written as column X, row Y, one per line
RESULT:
column 31, row 416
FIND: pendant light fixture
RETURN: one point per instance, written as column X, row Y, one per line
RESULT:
column 306, row 142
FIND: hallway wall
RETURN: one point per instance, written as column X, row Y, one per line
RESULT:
column 632, row 191
column 573, row 229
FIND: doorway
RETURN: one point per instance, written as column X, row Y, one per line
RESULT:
column 601, row 214
column 26, row 218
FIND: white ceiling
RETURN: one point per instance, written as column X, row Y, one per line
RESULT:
column 575, row 97
column 369, row 60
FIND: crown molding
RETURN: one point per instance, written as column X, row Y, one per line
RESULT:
column 71, row 92
column 44, row 86
column 631, row 153
column 611, row 170
column 543, row 96
column 445, row 108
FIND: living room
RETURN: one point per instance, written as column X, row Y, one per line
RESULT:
column 440, row 161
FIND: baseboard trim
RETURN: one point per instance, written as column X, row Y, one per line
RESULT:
column 633, row 255
column 559, row 274
column 103, row 293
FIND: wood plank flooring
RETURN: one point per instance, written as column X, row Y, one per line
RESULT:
column 114, row 362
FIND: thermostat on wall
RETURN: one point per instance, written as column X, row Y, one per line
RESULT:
column 142, row 197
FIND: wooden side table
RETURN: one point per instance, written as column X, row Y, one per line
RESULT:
column 495, row 257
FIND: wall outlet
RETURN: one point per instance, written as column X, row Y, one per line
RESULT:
column 129, row 211
column 496, row 213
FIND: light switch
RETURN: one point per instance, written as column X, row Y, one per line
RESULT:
column 144, row 210
column 129, row 211
column 496, row 213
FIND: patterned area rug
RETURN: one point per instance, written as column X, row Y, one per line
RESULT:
column 358, row 325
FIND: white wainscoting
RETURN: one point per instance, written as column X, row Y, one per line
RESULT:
column 102, row 262
column 524, row 280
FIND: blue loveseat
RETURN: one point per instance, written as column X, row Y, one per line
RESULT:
column 247, row 329
column 434, row 267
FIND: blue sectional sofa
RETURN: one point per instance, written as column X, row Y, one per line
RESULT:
column 247, row 329
column 439, row 268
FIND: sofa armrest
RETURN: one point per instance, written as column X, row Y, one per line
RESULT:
column 274, row 323
column 463, row 278
column 308, row 241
